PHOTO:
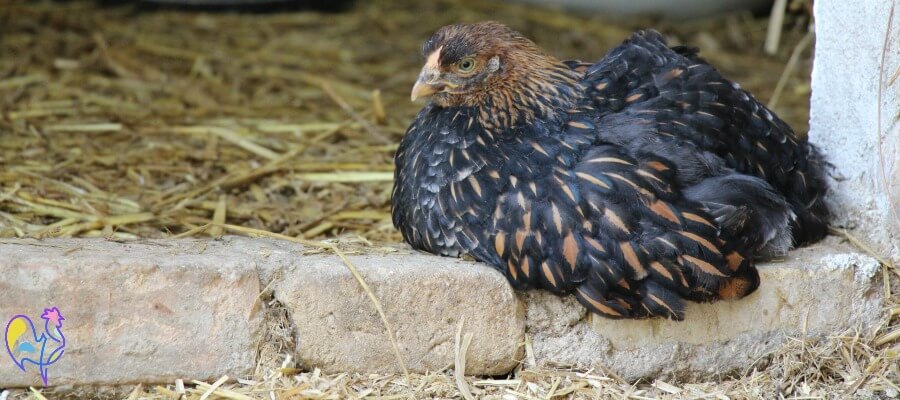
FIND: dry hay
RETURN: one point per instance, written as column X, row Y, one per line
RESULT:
column 122, row 124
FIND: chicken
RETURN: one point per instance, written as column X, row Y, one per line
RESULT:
column 635, row 183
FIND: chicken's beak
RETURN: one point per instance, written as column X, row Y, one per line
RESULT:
column 429, row 78
column 424, row 88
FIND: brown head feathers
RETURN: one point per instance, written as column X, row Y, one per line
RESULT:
column 489, row 65
column 460, row 40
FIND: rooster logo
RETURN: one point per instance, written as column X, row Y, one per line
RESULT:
column 25, row 345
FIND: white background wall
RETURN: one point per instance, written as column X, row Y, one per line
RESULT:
column 848, row 75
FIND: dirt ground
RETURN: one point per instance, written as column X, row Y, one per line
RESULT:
column 126, row 123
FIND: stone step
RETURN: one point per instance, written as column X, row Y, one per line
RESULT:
column 149, row 311
column 156, row 310
column 424, row 299
column 821, row 290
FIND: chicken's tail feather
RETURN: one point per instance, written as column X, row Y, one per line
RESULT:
column 748, row 211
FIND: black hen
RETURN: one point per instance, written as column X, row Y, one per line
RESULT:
column 635, row 183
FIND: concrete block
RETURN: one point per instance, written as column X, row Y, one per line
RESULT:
column 853, row 63
column 157, row 310
column 424, row 298
column 149, row 311
column 823, row 289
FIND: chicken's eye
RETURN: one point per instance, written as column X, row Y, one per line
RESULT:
column 466, row 65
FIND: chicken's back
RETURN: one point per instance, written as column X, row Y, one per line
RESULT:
column 682, row 104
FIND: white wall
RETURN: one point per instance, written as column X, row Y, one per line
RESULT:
column 844, row 119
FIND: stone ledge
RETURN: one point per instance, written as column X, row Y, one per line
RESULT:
column 156, row 310
column 135, row 312
column 821, row 290
column 424, row 298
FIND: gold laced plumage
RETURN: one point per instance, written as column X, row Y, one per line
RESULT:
column 634, row 183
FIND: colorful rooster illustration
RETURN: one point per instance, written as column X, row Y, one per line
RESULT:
column 25, row 345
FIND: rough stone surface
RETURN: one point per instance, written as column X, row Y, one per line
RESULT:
column 157, row 310
column 424, row 298
column 844, row 118
column 154, row 311
column 824, row 289
column 137, row 312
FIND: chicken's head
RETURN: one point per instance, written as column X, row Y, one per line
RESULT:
column 463, row 62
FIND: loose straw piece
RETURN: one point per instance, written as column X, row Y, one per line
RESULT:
column 776, row 19
column 219, row 217
column 893, row 204
column 350, row 111
column 789, row 68
column 459, row 365
column 216, row 389
column 37, row 393
column 103, row 127
column 212, row 388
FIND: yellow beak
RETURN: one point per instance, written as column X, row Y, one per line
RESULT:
column 424, row 89
column 429, row 81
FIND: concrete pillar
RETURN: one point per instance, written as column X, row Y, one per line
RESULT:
column 855, row 114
